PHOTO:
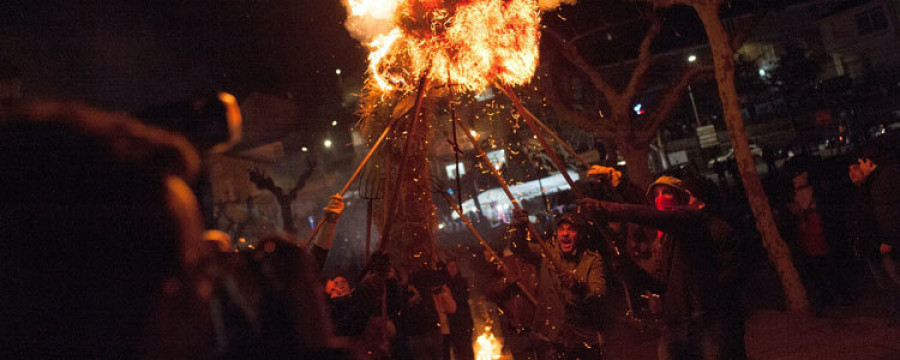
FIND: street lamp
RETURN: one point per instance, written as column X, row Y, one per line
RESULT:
column 692, row 59
column 328, row 143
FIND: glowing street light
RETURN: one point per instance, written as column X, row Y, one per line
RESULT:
column 304, row 149
column 692, row 58
column 328, row 143
column 338, row 71
column 334, row 123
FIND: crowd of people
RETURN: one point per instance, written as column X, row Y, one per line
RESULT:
column 106, row 258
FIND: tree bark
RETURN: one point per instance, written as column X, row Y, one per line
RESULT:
column 637, row 162
column 723, row 59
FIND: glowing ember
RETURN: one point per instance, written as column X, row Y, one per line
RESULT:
column 487, row 347
column 471, row 43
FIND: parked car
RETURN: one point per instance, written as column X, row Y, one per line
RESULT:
column 728, row 155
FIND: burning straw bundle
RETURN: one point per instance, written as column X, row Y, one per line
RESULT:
column 421, row 51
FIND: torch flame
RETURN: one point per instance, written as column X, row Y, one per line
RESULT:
column 487, row 347
column 469, row 44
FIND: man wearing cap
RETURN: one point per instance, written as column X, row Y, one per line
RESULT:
column 566, row 319
column 699, row 316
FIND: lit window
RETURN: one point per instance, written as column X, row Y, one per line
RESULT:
column 451, row 170
column 497, row 157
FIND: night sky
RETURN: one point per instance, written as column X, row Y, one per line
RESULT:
column 127, row 55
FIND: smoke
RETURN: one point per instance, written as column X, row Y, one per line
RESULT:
column 369, row 19
column 550, row 5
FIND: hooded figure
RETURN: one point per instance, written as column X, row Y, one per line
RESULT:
column 567, row 316
column 700, row 319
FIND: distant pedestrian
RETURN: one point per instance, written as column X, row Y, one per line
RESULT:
column 719, row 168
column 769, row 156
column 812, row 252
column 461, row 324
column 877, row 220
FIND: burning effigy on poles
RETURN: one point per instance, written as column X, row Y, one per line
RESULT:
column 425, row 56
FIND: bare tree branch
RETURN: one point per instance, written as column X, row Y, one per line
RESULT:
column 603, row 27
column 301, row 180
column 745, row 30
column 669, row 100
column 571, row 53
column 581, row 120
column 644, row 59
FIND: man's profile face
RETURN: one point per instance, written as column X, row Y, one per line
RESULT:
column 856, row 174
column 565, row 237
column 341, row 287
column 866, row 166
column 452, row 268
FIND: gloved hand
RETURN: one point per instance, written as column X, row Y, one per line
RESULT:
column 603, row 173
column 520, row 218
column 591, row 209
column 335, row 206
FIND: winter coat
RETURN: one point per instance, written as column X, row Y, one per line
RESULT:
column 882, row 195
column 567, row 316
column 461, row 320
column 700, row 257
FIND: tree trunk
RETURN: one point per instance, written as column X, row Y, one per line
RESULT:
column 287, row 215
column 779, row 254
column 637, row 162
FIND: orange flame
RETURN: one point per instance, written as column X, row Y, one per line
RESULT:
column 471, row 44
column 487, row 347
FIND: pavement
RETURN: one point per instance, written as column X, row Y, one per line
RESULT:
column 841, row 334
column 844, row 333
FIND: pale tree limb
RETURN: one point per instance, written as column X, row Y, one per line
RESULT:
column 670, row 100
column 604, row 129
column 570, row 52
column 644, row 59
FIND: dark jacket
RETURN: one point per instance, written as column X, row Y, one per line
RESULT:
column 461, row 321
column 882, row 197
column 566, row 315
column 700, row 256
column 505, row 289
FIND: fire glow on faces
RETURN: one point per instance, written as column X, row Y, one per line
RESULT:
column 469, row 43
column 666, row 198
column 565, row 237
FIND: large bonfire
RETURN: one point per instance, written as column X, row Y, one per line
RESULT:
column 422, row 51
column 469, row 43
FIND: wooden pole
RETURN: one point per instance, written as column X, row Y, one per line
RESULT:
column 482, row 156
column 395, row 192
column 484, row 243
column 353, row 177
column 530, row 116
column 553, row 157
column 540, row 137
column 368, row 227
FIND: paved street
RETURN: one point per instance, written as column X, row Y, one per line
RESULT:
column 851, row 333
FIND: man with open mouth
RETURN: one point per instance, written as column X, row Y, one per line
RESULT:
column 567, row 316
